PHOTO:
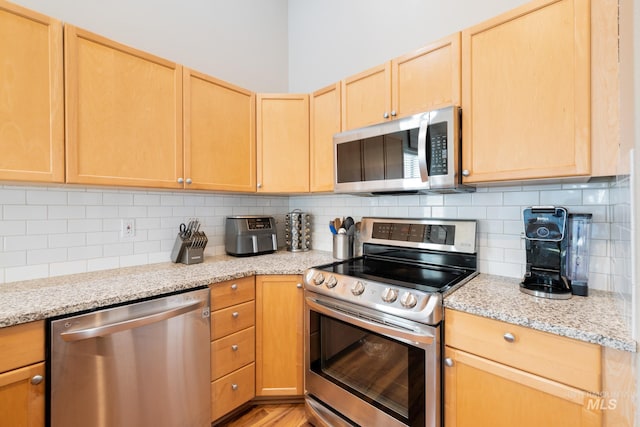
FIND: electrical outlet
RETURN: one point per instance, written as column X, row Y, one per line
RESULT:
column 127, row 229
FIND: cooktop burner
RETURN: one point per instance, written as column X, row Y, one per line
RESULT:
column 407, row 267
column 428, row 279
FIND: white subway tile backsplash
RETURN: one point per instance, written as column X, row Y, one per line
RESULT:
column 54, row 231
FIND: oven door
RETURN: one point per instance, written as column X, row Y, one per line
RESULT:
column 368, row 367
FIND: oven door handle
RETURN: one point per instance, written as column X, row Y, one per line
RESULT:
column 420, row 337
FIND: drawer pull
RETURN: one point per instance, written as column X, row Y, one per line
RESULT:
column 235, row 314
column 36, row 379
column 234, row 287
column 234, row 387
column 234, row 347
column 509, row 337
column 448, row 361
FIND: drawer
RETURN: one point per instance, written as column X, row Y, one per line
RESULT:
column 232, row 292
column 561, row 359
column 232, row 352
column 232, row 390
column 232, row 319
column 21, row 345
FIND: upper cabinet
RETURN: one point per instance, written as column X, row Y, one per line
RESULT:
column 283, row 143
column 526, row 93
column 31, row 96
column 325, row 122
column 419, row 81
column 219, row 135
column 124, row 114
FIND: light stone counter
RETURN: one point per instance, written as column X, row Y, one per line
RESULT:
column 594, row 319
column 22, row 302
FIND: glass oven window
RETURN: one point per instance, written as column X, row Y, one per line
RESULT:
column 384, row 372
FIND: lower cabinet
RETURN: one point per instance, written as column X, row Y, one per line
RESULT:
column 232, row 345
column 279, row 336
column 497, row 374
column 22, row 371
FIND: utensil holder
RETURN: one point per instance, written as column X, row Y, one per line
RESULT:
column 297, row 231
column 342, row 246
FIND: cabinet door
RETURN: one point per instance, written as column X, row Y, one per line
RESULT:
column 219, row 135
column 526, row 93
column 325, row 122
column 480, row 392
column 22, row 397
column 283, row 143
column 124, row 114
column 366, row 97
column 426, row 79
column 31, row 96
column 279, row 336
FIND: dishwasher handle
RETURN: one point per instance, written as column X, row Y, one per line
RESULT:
column 136, row 322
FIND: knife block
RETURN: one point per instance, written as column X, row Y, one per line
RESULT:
column 189, row 250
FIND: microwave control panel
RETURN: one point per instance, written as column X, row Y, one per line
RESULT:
column 437, row 135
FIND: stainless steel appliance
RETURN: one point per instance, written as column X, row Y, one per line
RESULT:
column 249, row 235
column 140, row 364
column 421, row 153
column 373, row 324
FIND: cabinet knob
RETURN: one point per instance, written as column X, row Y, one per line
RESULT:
column 448, row 361
column 393, row 113
column 188, row 181
column 259, row 185
column 465, row 172
column 180, row 180
column 234, row 387
column 385, row 115
column 37, row 379
column 235, row 314
column 234, row 287
column 234, row 347
column 509, row 337
column 299, row 286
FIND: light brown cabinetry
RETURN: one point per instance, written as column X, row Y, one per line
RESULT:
column 526, row 93
column 31, row 96
column 283, row 143
column 418, row 81
column 232, row 345
column 219, row 135
column 325, row 122
column 500, row 374
column 22, row 384
column 124, row 114
column 279, row 336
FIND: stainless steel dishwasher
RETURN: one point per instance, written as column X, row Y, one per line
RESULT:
column 136, row 365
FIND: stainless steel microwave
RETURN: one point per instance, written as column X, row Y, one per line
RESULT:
column 420, row 154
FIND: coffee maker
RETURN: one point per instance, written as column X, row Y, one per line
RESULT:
column 545, row 229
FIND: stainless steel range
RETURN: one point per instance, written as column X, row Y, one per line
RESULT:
column 373, row 324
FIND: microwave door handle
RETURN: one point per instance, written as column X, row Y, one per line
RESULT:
column 422, row 150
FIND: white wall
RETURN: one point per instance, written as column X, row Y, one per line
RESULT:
column 333, row 39
column 241, row 41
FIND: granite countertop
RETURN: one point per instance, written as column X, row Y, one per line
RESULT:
column 22, row 302
column 595, row 319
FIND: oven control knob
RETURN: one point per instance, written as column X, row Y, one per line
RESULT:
column 318, row 279
column 408, row 300
column 331, row 282
column 389, row 295
column 357, row 288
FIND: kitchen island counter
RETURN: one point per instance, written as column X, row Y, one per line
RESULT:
column 596, row 319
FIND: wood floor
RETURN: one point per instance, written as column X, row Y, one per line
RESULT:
column 283, row 415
